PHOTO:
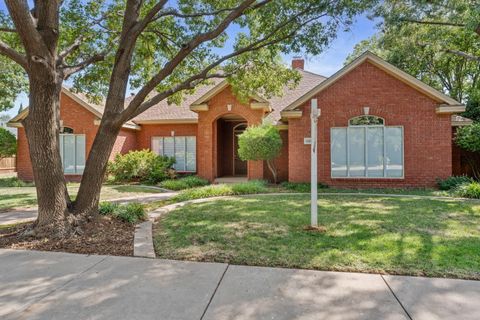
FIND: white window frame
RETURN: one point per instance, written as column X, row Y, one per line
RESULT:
column 366, row 153
column 174, row 150
column 77, row 172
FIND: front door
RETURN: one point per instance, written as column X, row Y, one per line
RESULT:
column 239, row 166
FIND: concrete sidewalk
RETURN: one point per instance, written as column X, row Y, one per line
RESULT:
column 44, row 285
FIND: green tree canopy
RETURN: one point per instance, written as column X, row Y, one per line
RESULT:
column 8, row 143
column 468, row 138
column 436, row 41
column 261, row 143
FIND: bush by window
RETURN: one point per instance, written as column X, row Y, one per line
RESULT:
column 141, row 166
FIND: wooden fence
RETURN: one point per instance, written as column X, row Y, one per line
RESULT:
column 7, row 164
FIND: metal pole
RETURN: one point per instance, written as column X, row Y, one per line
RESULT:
column 314, row 114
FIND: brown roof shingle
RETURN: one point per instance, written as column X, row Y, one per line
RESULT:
column 164, row 111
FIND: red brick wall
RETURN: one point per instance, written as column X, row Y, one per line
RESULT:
column 144, row 136
column 207, row 150
column 427, row 136
column 82, row 122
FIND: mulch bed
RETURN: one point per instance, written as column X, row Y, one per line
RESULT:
column 104, row 235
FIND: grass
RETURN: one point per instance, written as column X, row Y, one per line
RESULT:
column 365, row 234
column 25, row 196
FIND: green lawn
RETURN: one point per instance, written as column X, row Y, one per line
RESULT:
column 24, row 197
column 363, row 233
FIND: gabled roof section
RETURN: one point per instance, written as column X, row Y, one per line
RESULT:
column 388, row 68
column 217, row 89
column 79, row 98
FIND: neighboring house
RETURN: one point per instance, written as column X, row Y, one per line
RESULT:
column 379, row 127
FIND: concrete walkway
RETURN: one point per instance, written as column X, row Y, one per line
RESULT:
column 24, row 215
column 45, row 285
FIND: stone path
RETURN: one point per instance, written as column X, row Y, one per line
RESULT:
column 47, row 285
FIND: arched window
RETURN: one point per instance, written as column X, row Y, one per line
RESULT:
column 67, row 130
column 366, row 121
column 367, row 149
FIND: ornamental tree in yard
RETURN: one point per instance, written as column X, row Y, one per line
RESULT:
column 468, row 138
column 8, row 143
column 159, row 49
column 261, row 143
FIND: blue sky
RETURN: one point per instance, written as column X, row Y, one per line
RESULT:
column 327, row 63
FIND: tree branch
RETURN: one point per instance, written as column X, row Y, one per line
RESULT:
column 462, row 54
column 182, row 54
column 439, row 23
column 133, row 110
column 14, row 55
column 69, row 70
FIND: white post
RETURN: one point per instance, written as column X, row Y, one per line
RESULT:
column 314, row 114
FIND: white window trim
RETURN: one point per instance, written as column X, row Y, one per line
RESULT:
column 75, row 156
column 185, row 143
column 366, row 155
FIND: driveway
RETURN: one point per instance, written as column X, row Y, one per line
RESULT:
column 46, row 285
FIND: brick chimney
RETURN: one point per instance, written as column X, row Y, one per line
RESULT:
column 298, row 63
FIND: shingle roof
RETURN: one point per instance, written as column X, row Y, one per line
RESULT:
column 164, row 112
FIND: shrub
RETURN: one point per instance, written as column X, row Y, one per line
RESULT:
column 250, row 187
column 131, row 212
column 184, row 183
column 144, row 166
column 261, row 143
column 301, row 187
column 218, row 190
column 14, row 182
column 8, row 143
column 468, row 138
column 107, row 208
column 452, row 182
column 468, row 190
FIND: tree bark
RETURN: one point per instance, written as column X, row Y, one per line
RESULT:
column 273, row 170
column 88, row 197
column 42, row 130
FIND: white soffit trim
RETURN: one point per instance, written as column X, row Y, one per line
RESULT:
column 446, row 109
column 291, row 114
column 385, row 66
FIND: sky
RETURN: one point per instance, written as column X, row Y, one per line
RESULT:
column 326, row 64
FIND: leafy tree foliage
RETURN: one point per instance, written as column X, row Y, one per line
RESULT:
column 8, row 143
column 468, row 138
column 261, row 143
column 436, row 42
column 473, row 109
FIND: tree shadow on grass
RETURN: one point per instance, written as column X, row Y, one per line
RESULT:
column 398, row 236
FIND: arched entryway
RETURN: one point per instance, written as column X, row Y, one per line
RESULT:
column 229, row 164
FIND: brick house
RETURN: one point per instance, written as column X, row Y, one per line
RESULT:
column 379, row 127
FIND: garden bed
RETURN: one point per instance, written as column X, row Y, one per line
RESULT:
column 103, row 236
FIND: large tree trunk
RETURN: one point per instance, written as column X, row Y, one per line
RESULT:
column 88, row 197
column 42, row 130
